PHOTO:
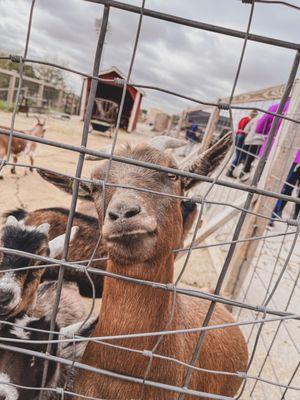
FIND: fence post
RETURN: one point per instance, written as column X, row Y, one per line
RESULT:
column 210, row 128
column 11, row 89
column 286, row 144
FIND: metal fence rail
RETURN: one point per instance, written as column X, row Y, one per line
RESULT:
column 259, row 315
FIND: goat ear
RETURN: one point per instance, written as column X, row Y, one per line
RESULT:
column 66, row 349
column 208, row 161
column 56, row 245
column 12, row 221
column 77, row 329
column 65, row 183
column 44, row 228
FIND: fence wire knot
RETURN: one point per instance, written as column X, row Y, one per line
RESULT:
column 242, row 375
column 223, row 106
column 293, row 222
column 148, row 353
column 197, row 199
column 171, row 287
column 261, row 309
column 82, row 268
column 61, row 393
column 14, row 58
column 98, row 182
column 248, row 1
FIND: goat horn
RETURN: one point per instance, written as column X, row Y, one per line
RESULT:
column 208, row 161
column 37, row 118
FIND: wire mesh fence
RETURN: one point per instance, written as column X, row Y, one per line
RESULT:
column 258, row 269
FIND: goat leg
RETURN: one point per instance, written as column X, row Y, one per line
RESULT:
column 31, row 157
column 15, row 160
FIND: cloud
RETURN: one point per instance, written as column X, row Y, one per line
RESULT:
column 186, row 60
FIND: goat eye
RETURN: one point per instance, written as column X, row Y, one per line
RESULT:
column 172, row 177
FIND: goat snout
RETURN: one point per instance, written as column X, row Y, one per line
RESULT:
column 5, row 298
column 122, row 210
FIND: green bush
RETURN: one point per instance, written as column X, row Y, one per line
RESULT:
column 4, row 106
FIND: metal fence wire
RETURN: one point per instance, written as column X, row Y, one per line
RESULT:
column 266, row 303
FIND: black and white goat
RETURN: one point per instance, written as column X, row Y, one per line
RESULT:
column 27, row 304
column 18, row 286
column 21, row 374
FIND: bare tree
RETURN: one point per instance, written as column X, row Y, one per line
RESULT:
column 50, row 74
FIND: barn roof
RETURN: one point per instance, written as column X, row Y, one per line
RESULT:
column 121, row 75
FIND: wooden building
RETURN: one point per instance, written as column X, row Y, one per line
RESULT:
column 108, row 99
column 201, row 116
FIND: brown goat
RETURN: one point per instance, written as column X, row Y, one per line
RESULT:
column 21, row 145
column 140, row 231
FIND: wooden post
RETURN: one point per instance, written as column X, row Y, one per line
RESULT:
column 11, row 90
column 210, row 129
column 282, row 155
column 133, row 112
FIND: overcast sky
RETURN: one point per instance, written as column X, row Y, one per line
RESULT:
column 190, row 61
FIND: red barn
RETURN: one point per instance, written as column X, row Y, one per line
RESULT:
column 108, row 99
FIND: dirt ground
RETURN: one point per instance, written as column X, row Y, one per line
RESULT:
column 32, row 192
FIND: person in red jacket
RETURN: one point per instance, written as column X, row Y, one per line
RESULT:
column 239, row 142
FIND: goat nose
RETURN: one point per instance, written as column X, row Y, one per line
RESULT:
column 5, row 298
column 124, row 212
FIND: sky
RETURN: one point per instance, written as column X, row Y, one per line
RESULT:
column 186, row 60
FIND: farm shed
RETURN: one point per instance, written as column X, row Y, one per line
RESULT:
column 112, row 92
column 201, row 117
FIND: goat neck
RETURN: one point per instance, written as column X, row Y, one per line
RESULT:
column 123, row 310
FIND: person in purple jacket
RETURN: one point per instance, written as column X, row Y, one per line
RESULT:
column 265, row 122
column 293, row 179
